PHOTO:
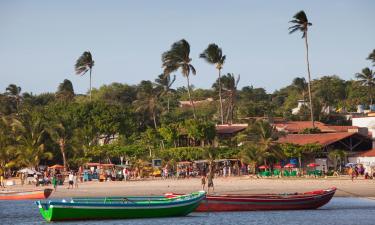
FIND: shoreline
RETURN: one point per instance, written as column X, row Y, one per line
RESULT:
column 230, row 185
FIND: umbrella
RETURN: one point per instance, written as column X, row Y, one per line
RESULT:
column 289, row 165
column 263, row 167
column 313, row 165
column 57, row 166
column 350, row 164
column 277, row 166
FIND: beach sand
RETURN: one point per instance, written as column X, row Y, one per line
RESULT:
column 240, row 185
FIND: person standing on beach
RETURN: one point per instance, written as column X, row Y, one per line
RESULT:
column 210, row 182
column 71, row 180
column 203, row 181
column 54, row 182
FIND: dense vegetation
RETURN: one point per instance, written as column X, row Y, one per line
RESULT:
column 144, row 121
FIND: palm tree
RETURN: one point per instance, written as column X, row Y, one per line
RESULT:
column 337, row 157
column 178, row 58
column 229, row 85
column 214, row 55
column 30, row 134
column 251, row 155
column 8, row 152
column 147, row 99
column 14, row 91
column 265, row 136
column 62, row 135
column 165, row 82
column 84, row 63
column 367, row 78
column 371, row 57
column 301, row 23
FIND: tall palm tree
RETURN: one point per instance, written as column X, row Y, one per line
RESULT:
column 371, row 57
column 367, row 78
column 178, row 57
column 301, row 23
column 165, row 82
column 83, row 64
column 214, row 55
column 229, row 85
column 147, row 100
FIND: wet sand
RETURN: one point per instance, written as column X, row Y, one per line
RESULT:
column 241, row 185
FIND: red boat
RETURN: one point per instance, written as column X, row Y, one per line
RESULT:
column 25, row 195
column 291, row 201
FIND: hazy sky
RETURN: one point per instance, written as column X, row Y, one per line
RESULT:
column 41, row 40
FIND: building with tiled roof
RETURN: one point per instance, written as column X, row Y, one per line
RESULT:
column 349, row 141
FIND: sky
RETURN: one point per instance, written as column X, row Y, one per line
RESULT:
column 41, row 40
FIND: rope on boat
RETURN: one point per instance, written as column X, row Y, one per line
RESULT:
column 355, row 195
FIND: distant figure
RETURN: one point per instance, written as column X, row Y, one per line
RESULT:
column 2, row 181
column 210, row 183
column 54, row 182
column 22, row 178
column 75, row 180
column 203, row 182
column 71, row 180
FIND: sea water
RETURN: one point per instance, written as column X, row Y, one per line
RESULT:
column 339, row 211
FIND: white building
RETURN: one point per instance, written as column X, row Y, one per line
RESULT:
column 367, row 121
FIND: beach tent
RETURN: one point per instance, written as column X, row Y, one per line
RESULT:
column 28, row 171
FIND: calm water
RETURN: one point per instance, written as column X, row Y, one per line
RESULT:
column 340, row 211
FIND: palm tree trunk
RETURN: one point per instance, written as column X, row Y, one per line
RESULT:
column 154, row 118
column 221, row 101
column 309, row 84
column 90, row 84
column 168, row 103
column 62, row 150
column 191, row 101
column 370, row 92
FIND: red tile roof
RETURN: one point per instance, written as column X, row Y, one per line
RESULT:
column 230, row 128
column 298, row 126
column 322, row 138
column 341, row 128
column 369, row 153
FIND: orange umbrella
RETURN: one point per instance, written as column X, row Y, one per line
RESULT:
column 57, row 166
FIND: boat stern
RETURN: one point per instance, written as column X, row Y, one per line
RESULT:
column 45, row 210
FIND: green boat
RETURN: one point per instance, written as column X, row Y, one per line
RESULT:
column 120, row 207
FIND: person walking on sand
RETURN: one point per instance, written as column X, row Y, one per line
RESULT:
column 71, row 180
column 54, row 182
column 203, row 181
column 2, row 180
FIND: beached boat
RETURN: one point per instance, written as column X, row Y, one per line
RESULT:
column 120, row 207
column 286, row 201
column 25, row 195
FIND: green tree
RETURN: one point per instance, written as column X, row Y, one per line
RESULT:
column 165, row 82
column 301, row 85
column 178, row 57
column 31, row 135
column 229, row 86
column 84, row 64
column 214, row 55
column 337, row 156
column 65, row 90
column 367, row 78
column 301, row 23
column 8, row 152
column 14, row 92
column 371, row 57
column 148, row 99
column 251, row 155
